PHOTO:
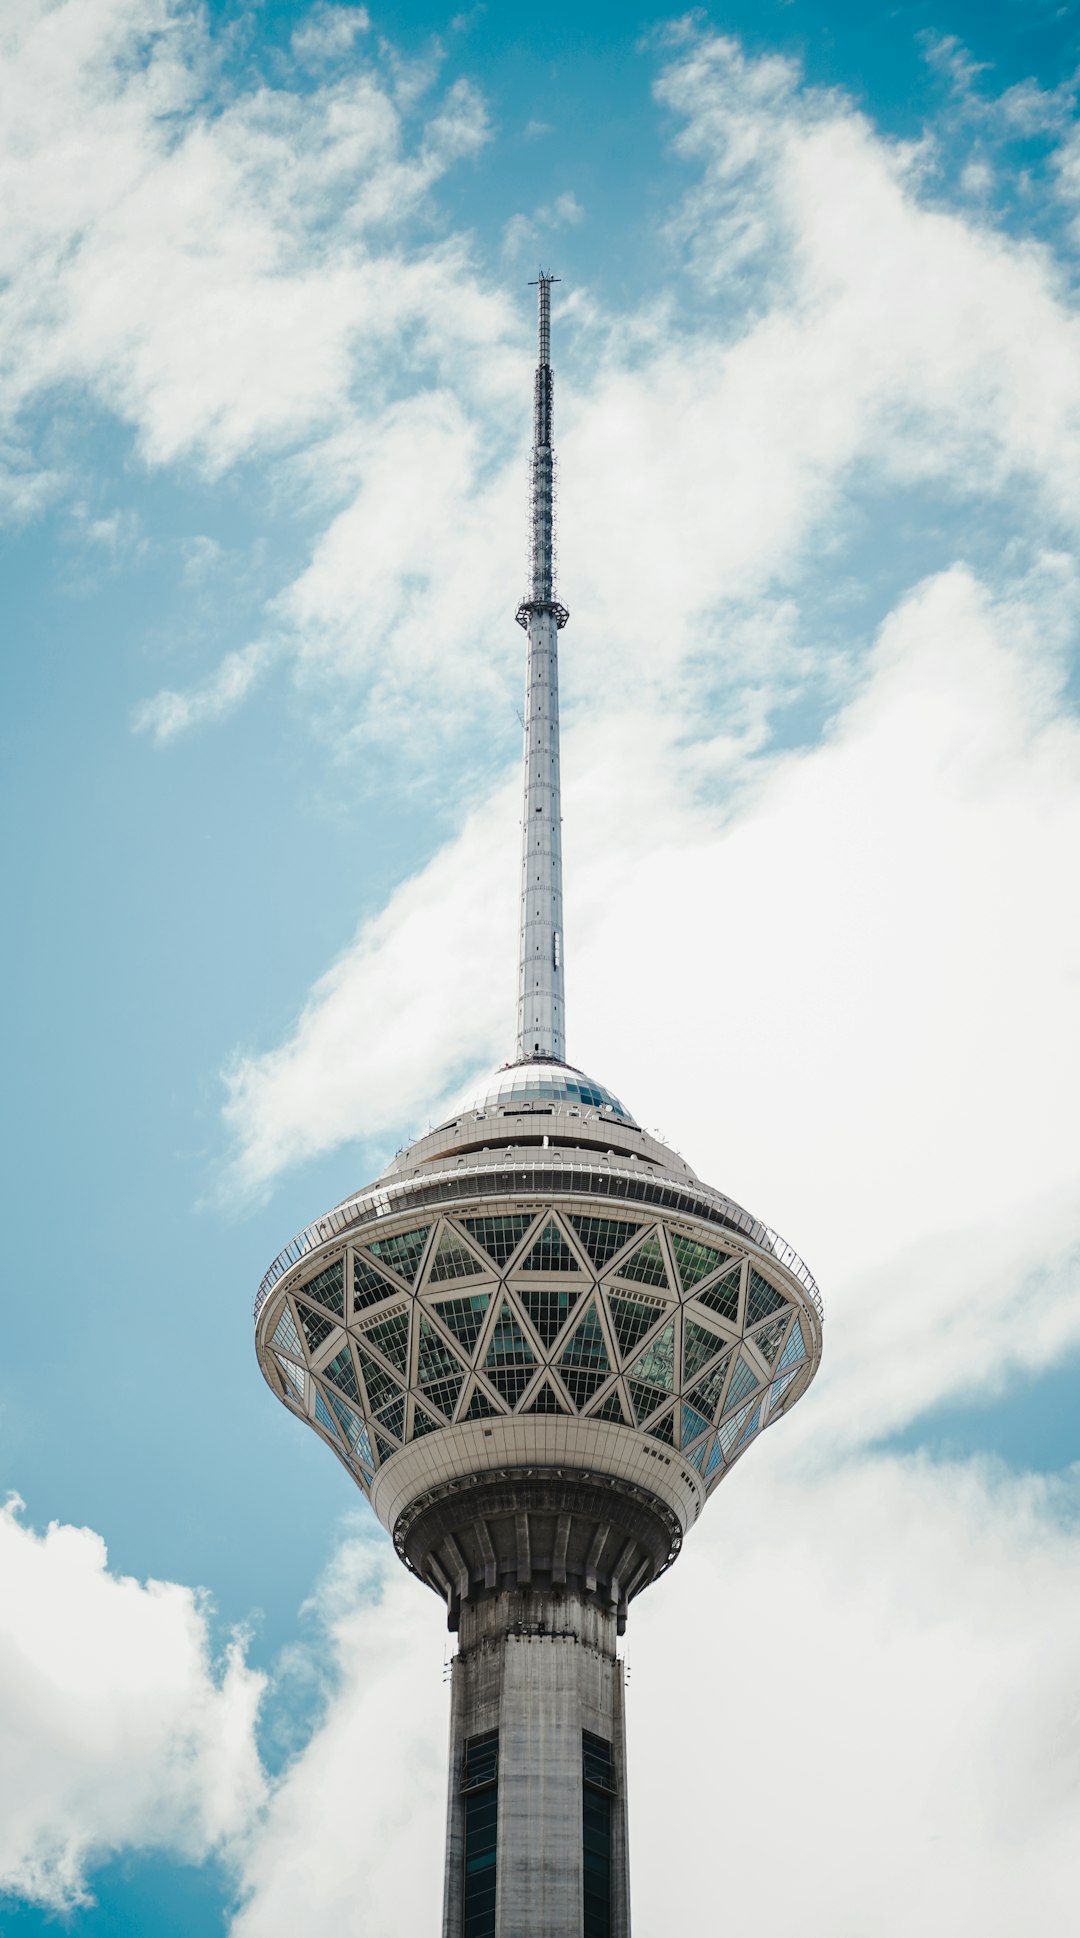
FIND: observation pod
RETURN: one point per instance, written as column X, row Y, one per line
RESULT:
column 538, row 1343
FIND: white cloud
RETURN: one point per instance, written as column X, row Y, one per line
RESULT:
column 170, row 713
column 120, row 1730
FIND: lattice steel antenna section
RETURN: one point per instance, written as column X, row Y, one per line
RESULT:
column 541, row 1029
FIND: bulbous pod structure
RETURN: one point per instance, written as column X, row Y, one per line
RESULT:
column 538, row 1343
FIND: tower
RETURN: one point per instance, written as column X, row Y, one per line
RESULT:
column 538, row 1342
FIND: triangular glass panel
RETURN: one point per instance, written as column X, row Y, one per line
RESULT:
column 479, row 1407
column 340, row 1370
column 777, row 1390
column 436, row 1361
column 705, row 1396
column 499, row 1237
column 743, row 1381
column 762, row 1299
column 632, row 1319
column 768, row 1339
column 656, row 1365
column 696, row 1456
column 328, row 1288
column 363, row 1455
column 551, row 1253
column 723, row 1297
column 544, row 1401
column 612, row 1409
column 297, row 1379
column 602, row 1237
column 391, row 1336
column 463, row 1317
column 286, row 1336
column 510, row 1359
column 392, row 1417
column 352, row 1426
column 584, row 1363
column 664, row 1429
column 699, row 1346
column 795, row 1350
column 316, row 1329
column 403, row 1252
column 646, row 1264
column 385, row 1448
column 714, row 1461
column 548, row 1306
column 369, row 1286
column 423, row 1422
column 732, row 1428
column 645, row 1399
column 444, row 1393
column 381, row 1385
column 693, row 1424
column 325, row 1417
column 694, row 1260
column 752, row 1425
column 453, row 1260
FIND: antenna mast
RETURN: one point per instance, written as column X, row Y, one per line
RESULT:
column 541, row 1028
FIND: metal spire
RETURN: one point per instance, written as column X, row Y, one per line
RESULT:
column 541, row 1030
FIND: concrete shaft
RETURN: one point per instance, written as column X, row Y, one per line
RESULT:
column 540, row 1669
column 541, row 1008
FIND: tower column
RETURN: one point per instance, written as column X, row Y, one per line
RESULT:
column 536, row 1832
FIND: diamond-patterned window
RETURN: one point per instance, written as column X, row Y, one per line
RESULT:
column 402, row 1252
column 479, row 1407
column 705, row 1396
column 544, row 1401
column 381, row 1385
column 500, row 1237
column 286, row 1336
column 584, row 1363
column 369, row 1286
column 325, row 1417
column 423, row 1422
column 316, row 1328
column 751, row 1426
column 777, row 1390
column 297, row 1379
column 444, row 1393
column 548, row 1306
column 612, row 1409
column 699, row 1346
column 510, row 1359
column 646, row 1264
column 352, row 1426
column 715, row 1460
column 453, row 1260
column 762, row 1299
column 693, row 1424
column 723, row 1297
column 795, row 1350
column 391, row 1337
column 385, row 1450
column 632, row 1319
column 551, row 1253
column 463, row 1317
column 328, row 1289
column 664, row 1429
column 696, row 1456
column 340, row 1370
column 435, row 1359
column 743, row 1381
column 392, row 1417
column 602, row 1237
column 768, row 1339
column 656, row 1365
column 732, row 1427
column 694, row 1260
column 645, row 1399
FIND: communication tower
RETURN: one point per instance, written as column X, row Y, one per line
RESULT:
column 538, row 1343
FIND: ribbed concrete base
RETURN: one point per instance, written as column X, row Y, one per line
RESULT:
column 540, row 1669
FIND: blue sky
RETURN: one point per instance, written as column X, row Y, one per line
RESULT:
column 265, row 337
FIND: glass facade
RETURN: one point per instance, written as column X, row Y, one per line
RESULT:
column 480, row 1786
column 598, row 1789
column 390, row 1337
column 584, row 1363
column 546, row 1083
column 646, row 1265
column 317, row 1328
column 762, row 1299
column 328, row 1289
column 453, row 1260
column 551, row 1253
column 369, row 1286
column 402, row 1252
column 699, row 1346
column 694, row 1260
column 549, row 1307
column 632, row 1319
column 723, row 1297
column 500, row 1237
column 286, row 1336
column 603, row 1237
column 464, row 1317
column 510, row 1359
